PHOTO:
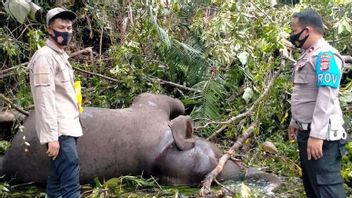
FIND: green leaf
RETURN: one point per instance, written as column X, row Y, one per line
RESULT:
column 346, row 25
column 245, row 191
column 3, row 188
column 340, row 28
column 112, row 183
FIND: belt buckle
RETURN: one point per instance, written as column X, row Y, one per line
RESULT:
column 303, row 126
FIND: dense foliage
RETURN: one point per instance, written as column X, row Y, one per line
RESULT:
column 221, row 54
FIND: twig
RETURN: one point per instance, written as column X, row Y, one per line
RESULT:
column 223, row 186
column 130, row 15
column 6, row 75
column 85, row 50
column 250, row 110
column 290, row 59
column 88, row 49
column 101, row 43
column 95, row 74
column 13, row 68
column 21, row 185
column 270, row 19
column 206, row 189
column 13, row 105
column 177, row 85
column 124, row 25
column 90, row 27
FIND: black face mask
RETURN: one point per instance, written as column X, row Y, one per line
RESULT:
column 66, row 36
column 294, row 39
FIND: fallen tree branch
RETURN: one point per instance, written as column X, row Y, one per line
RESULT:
column 250, row 110
column 206, row 188
column 177, row 85
column 13, row 105
column 85, row 50
column 9, row 71
column 5, row 71
column 95, row 74
column 11, row 116
column 262, row 11
column 154, row 79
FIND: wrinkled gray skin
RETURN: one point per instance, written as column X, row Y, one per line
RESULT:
column 151, row 138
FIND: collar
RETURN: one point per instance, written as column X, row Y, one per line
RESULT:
column 318, row 44
column 53, row 46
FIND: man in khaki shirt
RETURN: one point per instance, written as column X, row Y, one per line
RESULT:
column 316, row 114
column 56, row 110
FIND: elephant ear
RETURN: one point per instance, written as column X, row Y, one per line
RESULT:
column 182, row 130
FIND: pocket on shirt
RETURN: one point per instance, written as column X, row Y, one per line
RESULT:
column 41, row 79
column 301, row 76
column 64, row 75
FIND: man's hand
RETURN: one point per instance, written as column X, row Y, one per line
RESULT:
column 292, row 133
column 53, row 149
column 314, row 148
column 288, row 45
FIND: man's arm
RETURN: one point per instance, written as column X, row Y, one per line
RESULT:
column 43, row 91
column 327, row 93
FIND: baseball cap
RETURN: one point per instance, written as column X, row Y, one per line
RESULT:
column 59, row 12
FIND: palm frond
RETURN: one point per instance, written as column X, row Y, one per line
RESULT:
column 164, row 36
column 210, row 100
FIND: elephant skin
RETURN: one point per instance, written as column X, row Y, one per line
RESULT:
column 152, row 137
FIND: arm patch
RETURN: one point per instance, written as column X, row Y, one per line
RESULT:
column 327, row 71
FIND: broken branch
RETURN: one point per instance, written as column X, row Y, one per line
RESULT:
column 250, row 110
column 85, row 50
column 177, row 85
column 206, row 189
column 13, row 105
column 95, row 74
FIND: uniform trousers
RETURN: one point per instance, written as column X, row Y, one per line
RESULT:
column 322, row 177
column 63, row 178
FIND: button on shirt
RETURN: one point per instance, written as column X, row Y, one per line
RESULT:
column 51, row 80
column 310, row 104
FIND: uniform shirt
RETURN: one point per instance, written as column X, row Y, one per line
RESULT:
column 51, row 79
column 310, row 104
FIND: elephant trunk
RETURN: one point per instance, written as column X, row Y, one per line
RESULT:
column 233, row 171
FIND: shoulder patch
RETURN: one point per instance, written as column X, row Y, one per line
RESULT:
column 325, row 61
column 327, row 71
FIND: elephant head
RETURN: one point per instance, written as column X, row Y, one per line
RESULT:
column 188, row 158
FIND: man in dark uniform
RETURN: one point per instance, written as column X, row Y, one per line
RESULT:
column 316, row 114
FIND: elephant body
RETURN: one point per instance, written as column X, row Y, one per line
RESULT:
column 151, row 137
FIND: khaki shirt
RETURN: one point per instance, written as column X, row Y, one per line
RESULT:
column 310, row 104
column 51, row 79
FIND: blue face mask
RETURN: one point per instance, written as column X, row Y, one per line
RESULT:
column 65, row 37
column 294, row 39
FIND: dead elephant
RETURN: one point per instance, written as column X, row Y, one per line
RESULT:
column 152, row 137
